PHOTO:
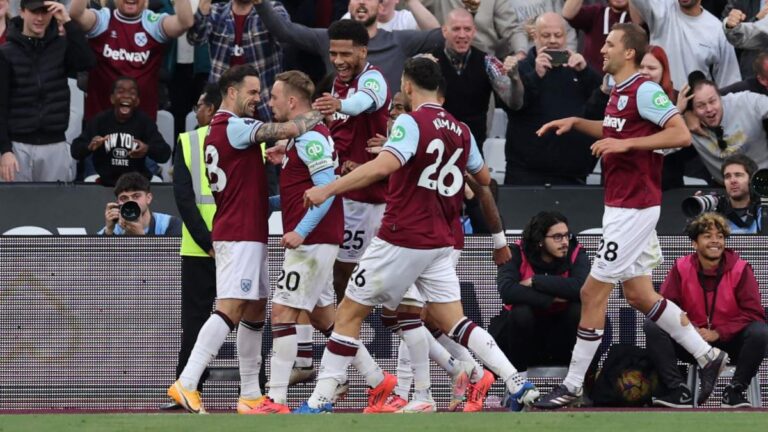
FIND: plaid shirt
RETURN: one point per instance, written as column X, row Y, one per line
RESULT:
column 261, row 49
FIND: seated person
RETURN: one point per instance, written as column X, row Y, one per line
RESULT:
column 134, row 187
column 540, row 289
column 120, row 139
column 718, row 292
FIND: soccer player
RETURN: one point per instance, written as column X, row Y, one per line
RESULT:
column 425, row 158
column 639, row 119
column 359, row 106
column 235, row 168
column 311, row 238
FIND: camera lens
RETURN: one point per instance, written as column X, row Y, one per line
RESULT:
column 130, row 211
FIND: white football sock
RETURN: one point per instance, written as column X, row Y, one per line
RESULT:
column 249, row 335
column 209, row 340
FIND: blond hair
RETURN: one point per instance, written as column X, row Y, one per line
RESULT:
column 298, row 83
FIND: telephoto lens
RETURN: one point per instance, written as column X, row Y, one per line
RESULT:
column 130, row 211
column 696, row 205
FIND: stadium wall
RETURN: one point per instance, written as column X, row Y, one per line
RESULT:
column 77, row 209
column 92, row 323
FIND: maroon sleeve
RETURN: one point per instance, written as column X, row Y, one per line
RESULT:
column 585, row 19
column 748, row 299
column 670, row 288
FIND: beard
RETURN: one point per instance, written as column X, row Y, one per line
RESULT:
column 370, row 21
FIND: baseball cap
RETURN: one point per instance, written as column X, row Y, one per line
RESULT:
column 32, row 4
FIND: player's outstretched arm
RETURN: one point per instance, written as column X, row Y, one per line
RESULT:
column 289, row 129
column 368, row 173
column 593, row 128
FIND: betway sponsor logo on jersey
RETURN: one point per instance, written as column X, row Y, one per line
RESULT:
column 614, row 122
column 339, row 116
column 121, row 54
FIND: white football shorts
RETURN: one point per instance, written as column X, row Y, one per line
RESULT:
column 306, row 280
column 361, row 224
column 241, row 270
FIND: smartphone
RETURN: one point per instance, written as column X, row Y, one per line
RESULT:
column 559, row 57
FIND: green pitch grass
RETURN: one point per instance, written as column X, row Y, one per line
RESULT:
column 446, row 422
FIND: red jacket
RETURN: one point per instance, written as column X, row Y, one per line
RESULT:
column 738, row 296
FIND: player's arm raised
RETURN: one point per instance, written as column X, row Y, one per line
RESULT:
column 289, row 129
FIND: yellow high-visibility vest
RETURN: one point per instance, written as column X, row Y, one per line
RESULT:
column 192, row 146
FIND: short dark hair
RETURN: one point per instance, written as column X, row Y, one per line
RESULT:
column 124, row 78
column 739, row 159
column 704, row 222
column 348, row 29
column 212, row 95
column 298, row 82
column 234, row 76
column 423, row 72
column 633, row 37
column 132, row 181
column 536, row 230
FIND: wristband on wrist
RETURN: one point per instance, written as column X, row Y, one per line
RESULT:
column 499, row 240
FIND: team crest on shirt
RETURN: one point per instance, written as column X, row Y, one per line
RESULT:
column 622, row 102
column 140, row 38
column 113, row 34
column 245, row 285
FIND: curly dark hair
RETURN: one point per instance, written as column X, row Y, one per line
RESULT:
column 537, row 228
column 706, row 221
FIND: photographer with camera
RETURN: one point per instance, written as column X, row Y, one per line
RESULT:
column 130, row 215
column 740, row 205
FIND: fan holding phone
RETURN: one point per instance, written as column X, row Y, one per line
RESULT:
column 551, row 49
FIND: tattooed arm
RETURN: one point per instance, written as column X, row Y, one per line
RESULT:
column 289, row 129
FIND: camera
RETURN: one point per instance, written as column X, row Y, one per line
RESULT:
column 130, row 211
column 696, row 205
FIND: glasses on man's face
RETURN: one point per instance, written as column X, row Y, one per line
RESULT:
column 197, row 107
column 559, row 237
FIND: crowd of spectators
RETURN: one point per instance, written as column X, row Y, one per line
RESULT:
column 535, row 59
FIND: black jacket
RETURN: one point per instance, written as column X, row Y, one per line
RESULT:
column 548, row 281
column 34, row 94
column 562, row 92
